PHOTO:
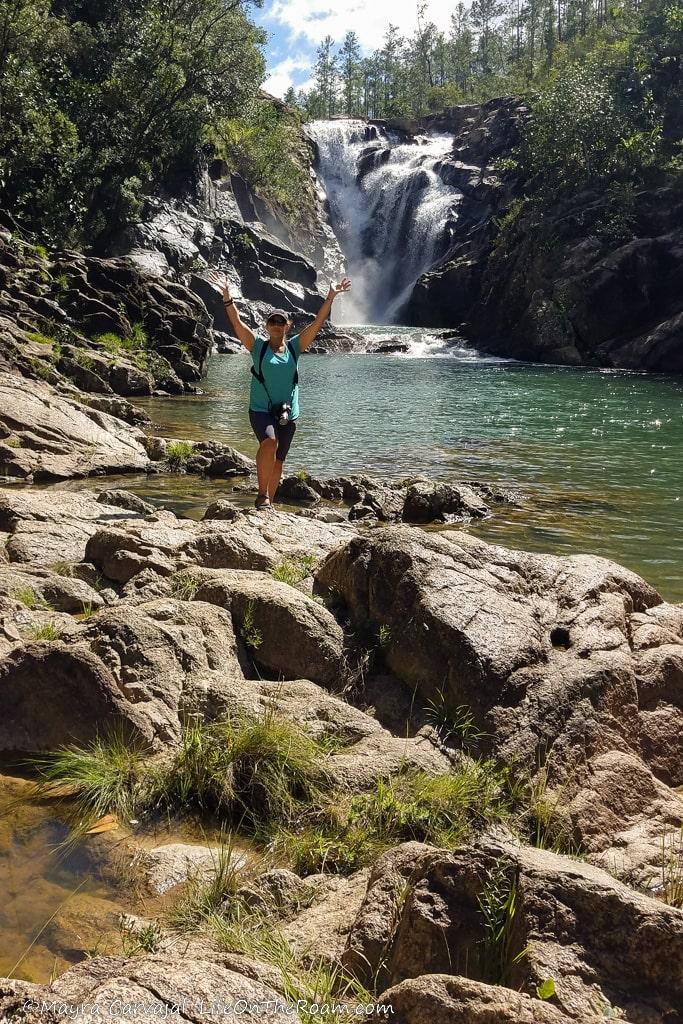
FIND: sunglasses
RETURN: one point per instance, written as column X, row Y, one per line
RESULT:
column 276, row 320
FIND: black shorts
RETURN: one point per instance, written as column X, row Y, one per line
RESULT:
column 265, row 425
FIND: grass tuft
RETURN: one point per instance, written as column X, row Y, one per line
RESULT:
column 202, row 899
column 28, row 597
column 445, row 810
column 48, row 631
column 178, row 452
column 498, row 908
column 454, row 725
column 184, row 586
column 672, row 869
column 294, row 569
column 106, row 777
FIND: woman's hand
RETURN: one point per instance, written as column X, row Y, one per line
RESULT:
column 220, row 278
column 337, row 289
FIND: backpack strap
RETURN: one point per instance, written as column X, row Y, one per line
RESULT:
column 290, row 346
column 259, row 373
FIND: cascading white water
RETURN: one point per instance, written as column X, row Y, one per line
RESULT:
column 391, row 220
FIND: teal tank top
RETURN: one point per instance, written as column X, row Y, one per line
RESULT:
column 278, row 372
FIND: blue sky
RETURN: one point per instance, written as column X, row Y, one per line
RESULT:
column 296, row 27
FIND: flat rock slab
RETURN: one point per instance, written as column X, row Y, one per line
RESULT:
column 47, row 437
column 248, row 540
column 202, row 989
column 170, row 865
column 50, row 526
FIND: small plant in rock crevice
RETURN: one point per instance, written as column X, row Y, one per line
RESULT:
column 249, row 631
column 28, row 597
column 454, row 724
column 137, row 940
column 498, row 908
column 294, row 569
column 672, row 869
column 184, row 586
column 202, row 898
column 48, row 631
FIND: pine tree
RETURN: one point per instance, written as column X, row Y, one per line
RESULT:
column 351, row 74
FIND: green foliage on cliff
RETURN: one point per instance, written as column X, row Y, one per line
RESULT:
column 99, row 100
column 264, row 145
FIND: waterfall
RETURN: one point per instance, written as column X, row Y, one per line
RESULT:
column 391, row 212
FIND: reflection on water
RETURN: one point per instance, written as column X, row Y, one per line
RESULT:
column 598, row 455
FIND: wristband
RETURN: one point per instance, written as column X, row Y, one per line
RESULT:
column 230, row 302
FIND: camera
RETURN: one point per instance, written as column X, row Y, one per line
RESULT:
column 282, row 413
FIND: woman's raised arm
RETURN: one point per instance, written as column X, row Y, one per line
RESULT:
column 244, row 333
column 308, row 335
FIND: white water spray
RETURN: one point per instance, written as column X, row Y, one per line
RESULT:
column 389, row 209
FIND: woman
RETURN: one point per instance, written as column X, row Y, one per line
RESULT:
column 274, row 396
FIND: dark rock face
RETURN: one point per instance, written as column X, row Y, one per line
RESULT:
column 159, row 332
column 216, row 220
column 566, row 288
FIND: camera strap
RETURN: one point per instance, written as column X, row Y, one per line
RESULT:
column 259, row 373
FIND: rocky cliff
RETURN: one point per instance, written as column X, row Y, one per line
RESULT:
column 586, row 282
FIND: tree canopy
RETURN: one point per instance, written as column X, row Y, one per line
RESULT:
column 100, row 98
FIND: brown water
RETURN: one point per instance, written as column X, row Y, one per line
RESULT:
column 60, row 905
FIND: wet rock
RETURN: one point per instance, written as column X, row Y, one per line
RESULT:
column 427, row 503
column 293, row 489
column 124, row 499
column 56, row 438
column 221, row 509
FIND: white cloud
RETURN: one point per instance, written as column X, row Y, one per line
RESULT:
column 284, row 74
column 314, row 19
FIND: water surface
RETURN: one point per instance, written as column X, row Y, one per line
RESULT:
column 597, row 454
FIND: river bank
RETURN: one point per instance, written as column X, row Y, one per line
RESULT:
column 386, row 715
column 362, row 649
